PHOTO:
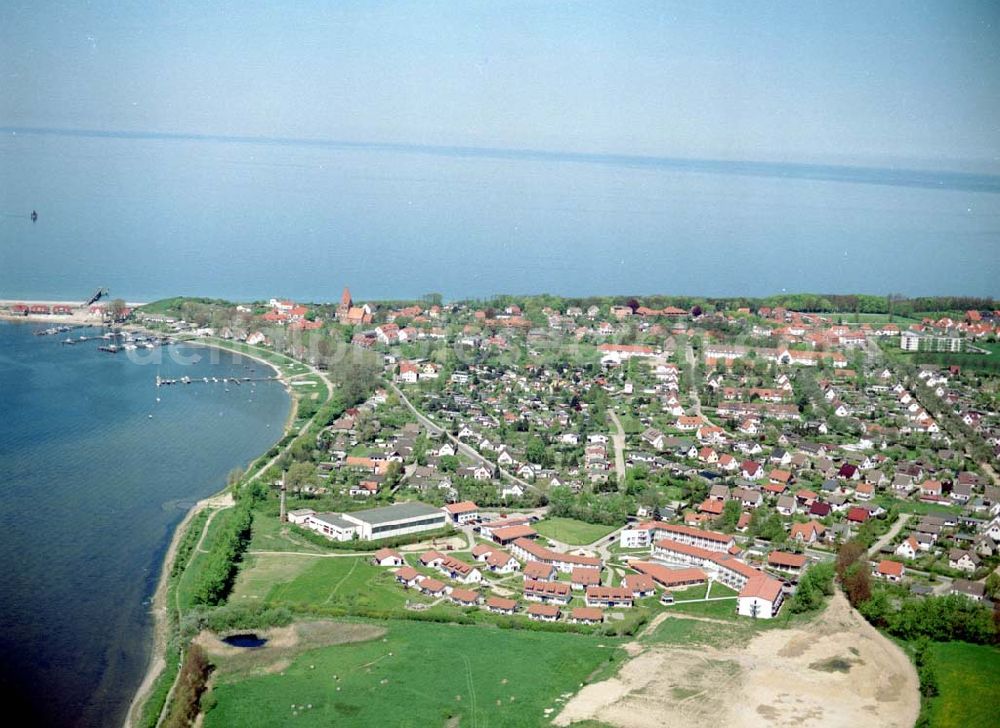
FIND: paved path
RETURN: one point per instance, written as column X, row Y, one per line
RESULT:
column 619, row 444
column 896, row 527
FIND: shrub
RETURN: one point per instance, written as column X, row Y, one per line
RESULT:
column 216, row 578
column 191, row 683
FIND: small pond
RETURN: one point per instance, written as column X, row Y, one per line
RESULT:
column 245, row 640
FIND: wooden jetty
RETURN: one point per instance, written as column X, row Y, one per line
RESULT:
column 163, row 382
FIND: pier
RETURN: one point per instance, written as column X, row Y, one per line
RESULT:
column 55, row 330
column 163, row 382
column 119, row 341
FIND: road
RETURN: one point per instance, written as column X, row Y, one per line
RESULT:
column 462, row 447
column 890, row 534
column 619, row 444
column 693, row 393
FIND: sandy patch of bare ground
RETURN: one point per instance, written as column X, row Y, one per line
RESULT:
column 836, row 671
column 283, row 645
column 453, row 543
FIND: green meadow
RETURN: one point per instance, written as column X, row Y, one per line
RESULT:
column 969, row 684
column 349, row 582
column 418, row 674
column 572, row 532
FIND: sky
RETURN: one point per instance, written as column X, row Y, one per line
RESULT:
column 886, row 83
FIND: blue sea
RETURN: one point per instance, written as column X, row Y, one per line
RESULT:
column 91, row 489
column 151, row 216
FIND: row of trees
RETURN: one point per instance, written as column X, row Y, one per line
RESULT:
column 215, row 580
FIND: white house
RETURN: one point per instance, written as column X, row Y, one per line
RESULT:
column 462, row 512
column 908, row 548
column 387, row 557
column 760, row 598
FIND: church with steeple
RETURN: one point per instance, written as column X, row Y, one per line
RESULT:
column 348, row 313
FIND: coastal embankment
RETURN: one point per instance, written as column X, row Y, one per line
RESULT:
column 219, row 501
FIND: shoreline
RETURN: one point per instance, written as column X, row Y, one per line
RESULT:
column 221, row 498
column 156, row 663
column 80, row 316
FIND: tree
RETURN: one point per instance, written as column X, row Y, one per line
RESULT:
column 730, row 515
column 117, row 309
column 857, row 583
column 392, row 474
column 536, row 451
column 993, row 585
column 806, row 598
column 298, row 475
column 847, row 555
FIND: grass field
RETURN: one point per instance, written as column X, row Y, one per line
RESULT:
column 692, row 592
column 724, row 609
column 874, row 318
column 967, row 360
column 351, row 582
column 574, row 533
column 269, row 534
column 969, row 681
column 687, row 632
column 261, row 572
column 631, row 424
column 419, row 674
column 721, row 590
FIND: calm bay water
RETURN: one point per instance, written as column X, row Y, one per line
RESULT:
column 155, row 217
column 92, row 488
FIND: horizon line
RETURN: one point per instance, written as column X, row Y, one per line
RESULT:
column 901, row 298
column 862, row 174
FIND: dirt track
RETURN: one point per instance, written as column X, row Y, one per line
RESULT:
column 838, row 672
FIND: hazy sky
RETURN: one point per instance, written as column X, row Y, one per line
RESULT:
column 917, row 82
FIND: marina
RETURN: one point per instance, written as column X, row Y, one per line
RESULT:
column 115, row 341
column 162, row 382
